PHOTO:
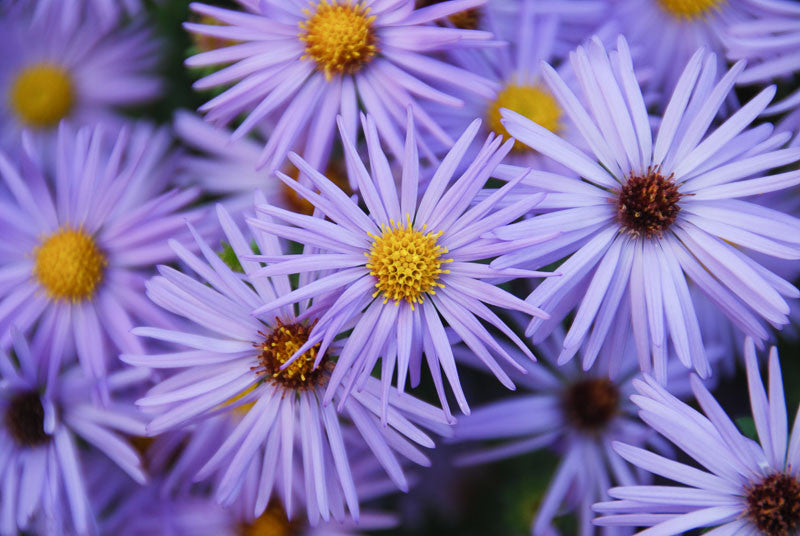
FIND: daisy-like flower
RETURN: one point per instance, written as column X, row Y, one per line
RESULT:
column 51, row 72
column 107, row 12
column 742, row 487
column 668, row 32
column 79, row 242
column 301, row 63
column 650, row 211
column 405, row 265
column 243, row 362
column 577, row 413
column 42, row 482
column 536, row 31
column 770, row 47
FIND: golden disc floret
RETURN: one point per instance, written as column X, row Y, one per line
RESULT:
column 339, row 36
column 69, row 265
column 406, row 263
column 41, row 95
column 533, row 102
column 279, row 346
column 690, row 9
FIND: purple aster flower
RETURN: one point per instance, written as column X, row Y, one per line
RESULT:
column 403, row 266
column 742, row 487
column 107, row 12
column 42, row 483
column 579, row 414
column 536, row 31
column 770, row 46
column 79, row 241
column 298, row 64
column 650, row 211
column 668, row 32
column 238, row 361
column 51, row 72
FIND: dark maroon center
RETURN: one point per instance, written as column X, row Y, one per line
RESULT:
column 591, row 404
column 648, row 204
column 773, row 505
column 25, row 419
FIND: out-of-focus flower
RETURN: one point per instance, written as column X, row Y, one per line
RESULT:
column 106, row 12
column 535, row 32
column 243, row 362
column 743, row 487
column 79, row 242
column 51, row 72
column 770, row 45
column 300, row 64
column 650, row 211
column 190, row 510
column 228, row 168
column 404, row 265
column 579, row 414
column 666, row 33
column 40, row 462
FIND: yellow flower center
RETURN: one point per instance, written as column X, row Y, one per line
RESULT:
column 273, row 522
column 690, row 9
column 69, row 265
column 339, row 36
column 406, row 263
column 533, row 102
column 279, row 346
column 41, row 95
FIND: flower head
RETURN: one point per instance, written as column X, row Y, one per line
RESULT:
column 298, row 67
column 666, row 33
column 650, row 211
column 766, row 44
column 81, row 235
column 576, row 413
column 741, row 485
column 247, row 365
column 53, row 71
column 403, row 266
column 41, row 419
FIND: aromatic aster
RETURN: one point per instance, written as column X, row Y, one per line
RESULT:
column 404, row 265
column 741, row 486
column 298, row 64
column 235, row 360
column 81, row 230
column 652, row 210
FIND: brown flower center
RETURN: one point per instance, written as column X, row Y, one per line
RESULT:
column 469, row 19
column 279, row 346
column 591, row 404
column 25, row 420
column 648, row 204
column 773, row 505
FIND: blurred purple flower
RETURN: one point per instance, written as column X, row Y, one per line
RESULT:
column 579, row 414
column 244, row 363
column 742, row 488
column 51, row 71
column 667, row 33
column 79, row 241
column 42, row 483
column 770, row 45
column 650, row 212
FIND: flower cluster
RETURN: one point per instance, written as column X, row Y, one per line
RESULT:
column 263, row 263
